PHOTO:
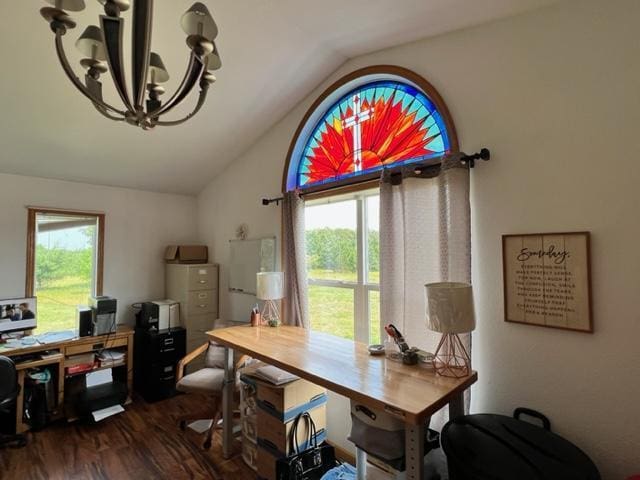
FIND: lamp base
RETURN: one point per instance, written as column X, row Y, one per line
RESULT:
column 270, row 313
column 451, row 358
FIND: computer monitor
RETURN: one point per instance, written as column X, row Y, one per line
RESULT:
column 18, row 314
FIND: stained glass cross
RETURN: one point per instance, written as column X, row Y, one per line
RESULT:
column 355, row 121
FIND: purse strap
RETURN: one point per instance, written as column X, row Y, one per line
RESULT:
column 312, row 442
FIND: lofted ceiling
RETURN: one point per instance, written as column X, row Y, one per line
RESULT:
column 274, row 52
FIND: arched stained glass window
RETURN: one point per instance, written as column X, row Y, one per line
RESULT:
column 380, row 122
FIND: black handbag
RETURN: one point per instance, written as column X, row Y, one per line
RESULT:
column 310, row 464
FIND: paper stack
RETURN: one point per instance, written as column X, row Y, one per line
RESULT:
column 111, row 358
column 274, row 375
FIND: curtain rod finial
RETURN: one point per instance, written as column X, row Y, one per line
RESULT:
column 483, row 154
column 268, row 201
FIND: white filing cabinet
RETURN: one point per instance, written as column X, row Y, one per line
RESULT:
column 195, row 287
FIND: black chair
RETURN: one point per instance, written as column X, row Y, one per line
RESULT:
column 9, row 390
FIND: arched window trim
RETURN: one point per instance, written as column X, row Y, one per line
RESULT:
column 336, row 91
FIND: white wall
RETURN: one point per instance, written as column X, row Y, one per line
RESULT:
column 555, row 94
column 138, row 226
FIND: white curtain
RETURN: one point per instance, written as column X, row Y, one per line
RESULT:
column 425, row 236
column 296, row 302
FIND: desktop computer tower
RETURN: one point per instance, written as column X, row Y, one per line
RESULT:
column 156, row 357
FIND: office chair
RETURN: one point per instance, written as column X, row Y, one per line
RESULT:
column 208, row 383
column 9, row 390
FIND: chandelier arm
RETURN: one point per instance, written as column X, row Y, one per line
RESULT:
column 112, row 33
column 107, row 114
column 141, row 48
column 194, row 70
column 201, row 99
column 62, row 57
column 95, row 89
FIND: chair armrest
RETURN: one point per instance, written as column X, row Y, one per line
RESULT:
column 189, row 358
column 241, row 361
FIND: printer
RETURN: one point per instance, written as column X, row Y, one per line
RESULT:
column 103, row 310
column 158, row 315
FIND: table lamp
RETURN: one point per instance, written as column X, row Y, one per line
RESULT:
column 270, row 287
column 450, row 311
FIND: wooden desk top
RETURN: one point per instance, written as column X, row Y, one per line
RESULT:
column 345, row 367
column 122, row 331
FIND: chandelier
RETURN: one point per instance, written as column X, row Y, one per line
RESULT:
column 103, row 47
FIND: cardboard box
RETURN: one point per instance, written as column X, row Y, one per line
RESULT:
column 286, row 401
column 186, row 254
column 274, row 434
column 266, row 464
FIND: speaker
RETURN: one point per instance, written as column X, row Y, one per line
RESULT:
column 85, row 322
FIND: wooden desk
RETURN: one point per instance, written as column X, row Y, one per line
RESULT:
column 123, row 338
column 410, row 393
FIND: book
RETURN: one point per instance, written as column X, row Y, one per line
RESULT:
column 82, row 368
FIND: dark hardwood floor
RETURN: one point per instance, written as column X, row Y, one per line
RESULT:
column 145, row 442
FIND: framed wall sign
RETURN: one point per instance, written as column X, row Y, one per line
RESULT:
column 547, row 280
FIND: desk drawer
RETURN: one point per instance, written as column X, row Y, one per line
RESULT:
column 203, row 278
column 203, row 301
column 96, row 345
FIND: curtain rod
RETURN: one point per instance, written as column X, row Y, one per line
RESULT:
column 483, row 154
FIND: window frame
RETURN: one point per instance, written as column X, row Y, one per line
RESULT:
column 32, row 213
column 362, row 287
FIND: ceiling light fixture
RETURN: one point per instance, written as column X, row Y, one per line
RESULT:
column 103, row 47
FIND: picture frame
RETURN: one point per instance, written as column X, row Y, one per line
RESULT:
column 547, row 280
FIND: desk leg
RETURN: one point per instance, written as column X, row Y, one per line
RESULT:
column 456, row 406
column 414, row 451
column 360, row 464
column 227, row 402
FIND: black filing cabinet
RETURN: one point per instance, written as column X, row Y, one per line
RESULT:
column 157, row 353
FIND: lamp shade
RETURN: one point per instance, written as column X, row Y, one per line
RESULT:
column 198, row 21
column 71, row 5
column 90, row 43
column 157, row 70
column 450, row 307
column 270, row 285
column 213, row 60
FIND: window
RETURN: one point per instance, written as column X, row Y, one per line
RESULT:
column 64, row 264
column 378, row 117
column 342, row 237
